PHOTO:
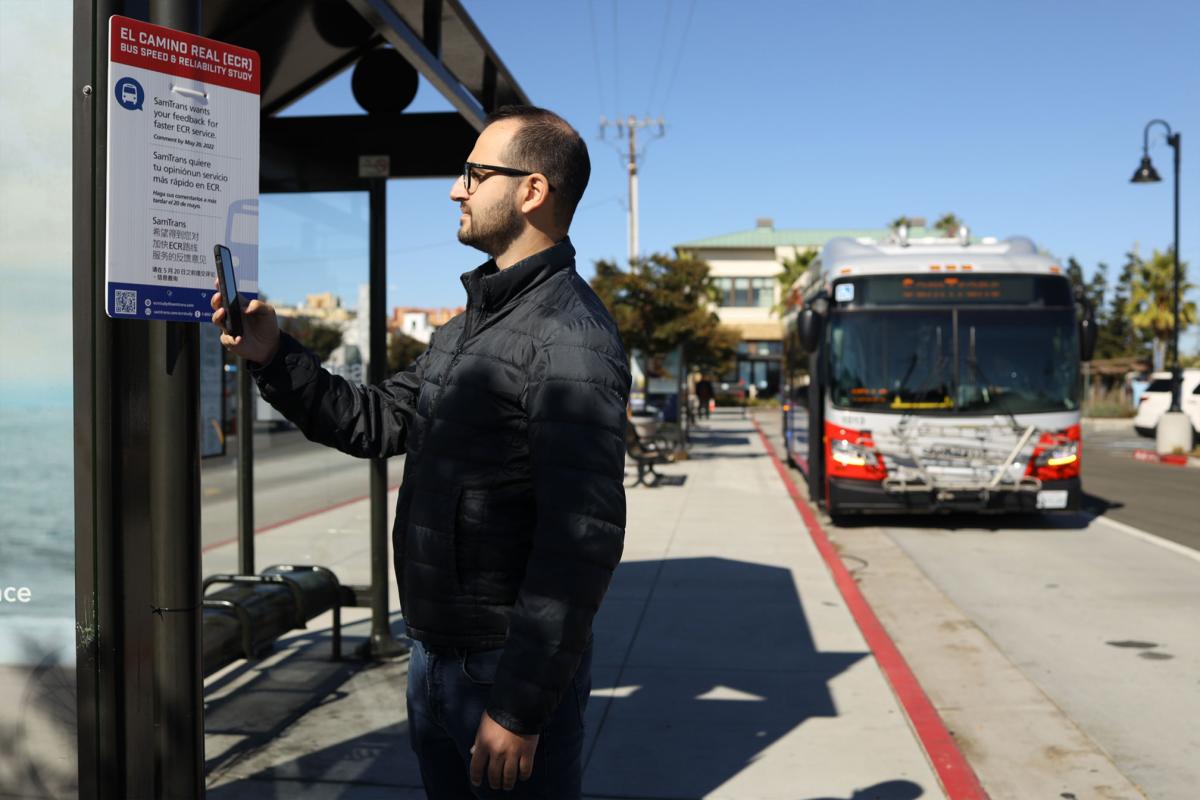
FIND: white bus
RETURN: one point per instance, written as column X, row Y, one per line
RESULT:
column 936, row 375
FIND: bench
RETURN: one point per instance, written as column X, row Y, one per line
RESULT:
column 647, row 454
column 244, row 619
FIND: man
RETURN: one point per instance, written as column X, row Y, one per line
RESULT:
column 511, row 515
column 704, row 393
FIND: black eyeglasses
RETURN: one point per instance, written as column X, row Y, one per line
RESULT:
column 509, row 171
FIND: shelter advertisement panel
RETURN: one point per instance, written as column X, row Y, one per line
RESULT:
column 183, row 151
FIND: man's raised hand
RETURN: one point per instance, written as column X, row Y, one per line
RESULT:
column 260, row 330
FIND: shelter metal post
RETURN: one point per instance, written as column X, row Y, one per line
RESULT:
column 174, row 394
column 381, row 642
column 245, row 468
column 136, row 485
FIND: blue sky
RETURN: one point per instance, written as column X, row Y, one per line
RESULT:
column 1021, row 117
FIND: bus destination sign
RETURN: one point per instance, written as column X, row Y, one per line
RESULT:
column 940, row 290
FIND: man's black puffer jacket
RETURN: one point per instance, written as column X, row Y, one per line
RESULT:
column 511, row 515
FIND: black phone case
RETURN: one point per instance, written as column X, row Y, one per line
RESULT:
column 233, row 316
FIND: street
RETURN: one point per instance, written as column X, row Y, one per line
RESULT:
column 1100, row 618
column 293, row 477
column 1158, row 498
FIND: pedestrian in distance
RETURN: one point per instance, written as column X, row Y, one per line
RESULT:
column 511, row 514
column 704, row 393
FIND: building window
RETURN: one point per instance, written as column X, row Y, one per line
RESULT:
column 745, row 292
column 764, row 292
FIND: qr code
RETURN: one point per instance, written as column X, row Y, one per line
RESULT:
column 126, row 301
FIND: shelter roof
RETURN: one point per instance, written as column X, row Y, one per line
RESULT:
column 303, row 43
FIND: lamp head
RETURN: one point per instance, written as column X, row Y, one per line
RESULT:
column 1146, row 173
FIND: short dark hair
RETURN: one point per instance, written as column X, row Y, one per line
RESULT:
column 547, row 143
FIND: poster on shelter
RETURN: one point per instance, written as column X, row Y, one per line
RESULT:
column 183, row 150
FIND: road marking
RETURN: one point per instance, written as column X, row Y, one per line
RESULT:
column 958, row 779
column 272, row 526
column 1153, row 539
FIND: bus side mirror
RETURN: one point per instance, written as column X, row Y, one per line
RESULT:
column 810, row 328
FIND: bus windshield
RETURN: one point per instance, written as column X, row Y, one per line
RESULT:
column 976, row 361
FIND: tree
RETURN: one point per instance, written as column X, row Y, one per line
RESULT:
column 1117, row 337
column 948, row 224
column 901, row 220
column 793, row 269
column 317, row 336
column 1151, row 304
column 402, row 350
column 663, row 303
column 1092, row 290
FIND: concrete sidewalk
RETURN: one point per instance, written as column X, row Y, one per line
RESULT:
column 726, row 664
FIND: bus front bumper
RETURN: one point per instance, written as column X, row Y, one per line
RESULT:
column 849, row 496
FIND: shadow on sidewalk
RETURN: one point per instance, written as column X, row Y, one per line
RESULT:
column 253, row 726
column 704, row 438
column 720, row 455
column 703, row 666
column 888, row 790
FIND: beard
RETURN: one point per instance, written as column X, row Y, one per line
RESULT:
column 493, row 229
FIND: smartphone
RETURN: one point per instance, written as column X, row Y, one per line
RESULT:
column 227, row 282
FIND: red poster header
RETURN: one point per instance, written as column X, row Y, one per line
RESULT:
column 140, row 44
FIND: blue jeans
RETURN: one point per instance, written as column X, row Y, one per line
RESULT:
column 447, row 693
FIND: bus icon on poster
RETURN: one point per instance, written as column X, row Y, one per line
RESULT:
column 129, row 93
column 241, row 236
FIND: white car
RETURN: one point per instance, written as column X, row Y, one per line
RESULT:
column 1157, row 399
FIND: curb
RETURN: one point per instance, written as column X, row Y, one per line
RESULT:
column 1171, row 459
column 957, row 778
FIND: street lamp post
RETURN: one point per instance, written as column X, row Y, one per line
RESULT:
column 1174, row 429
column 1147, row 174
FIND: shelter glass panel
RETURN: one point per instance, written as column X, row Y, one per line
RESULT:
column 310, row 501
column 37, row 526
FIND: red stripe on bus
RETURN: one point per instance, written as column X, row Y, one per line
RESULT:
column 957, row 778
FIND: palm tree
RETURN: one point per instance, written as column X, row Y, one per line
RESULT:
column 948, row 224
column 793, row 269
column 1151, row 304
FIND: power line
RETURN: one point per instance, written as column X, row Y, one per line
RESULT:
column 658, row 60
column 616, row 56
column 687, row 26
column 596, row 54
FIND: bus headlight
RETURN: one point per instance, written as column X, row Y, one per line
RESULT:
column 1056, row 456
column 852, row 454
column 848, row 454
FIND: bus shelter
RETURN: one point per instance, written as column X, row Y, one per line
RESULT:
column 136, row 389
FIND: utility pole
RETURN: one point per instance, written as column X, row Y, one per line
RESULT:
column 628, row 127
